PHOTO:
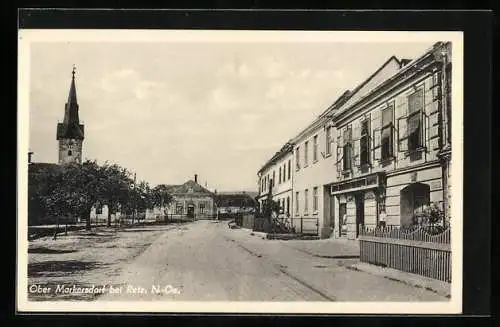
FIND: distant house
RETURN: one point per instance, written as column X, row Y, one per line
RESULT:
column 235, row 202
column 189, row 199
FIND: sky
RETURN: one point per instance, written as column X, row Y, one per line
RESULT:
column 169, row 110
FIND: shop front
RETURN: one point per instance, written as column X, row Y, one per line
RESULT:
column 359, row 203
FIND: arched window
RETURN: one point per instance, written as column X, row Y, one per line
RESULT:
column 413, row 200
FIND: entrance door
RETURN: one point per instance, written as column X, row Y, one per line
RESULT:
column 342, row 219
column 360, row 211
column 190, row 211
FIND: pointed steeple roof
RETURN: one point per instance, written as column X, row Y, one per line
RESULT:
column 71, row 112
column 72, row 89
column 71, row 127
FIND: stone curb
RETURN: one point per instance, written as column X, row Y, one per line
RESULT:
column 433, row 285
column 341, row 256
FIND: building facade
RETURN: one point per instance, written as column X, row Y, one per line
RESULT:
column 276, row 176
column 389, row 146
column 234, row 203
column 192, row 200
column 379, row 155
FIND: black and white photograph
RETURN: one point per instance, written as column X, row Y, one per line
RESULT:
column 240, row 171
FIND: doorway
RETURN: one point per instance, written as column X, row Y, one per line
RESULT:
column 190, row 211
column 360, row 211
column 342, row 219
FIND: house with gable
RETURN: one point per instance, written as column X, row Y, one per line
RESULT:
column 190, row 200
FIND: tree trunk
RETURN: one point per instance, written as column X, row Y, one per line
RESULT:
column 109, row 214
column 88, row 226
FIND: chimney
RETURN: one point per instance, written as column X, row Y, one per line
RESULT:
column 196, row 178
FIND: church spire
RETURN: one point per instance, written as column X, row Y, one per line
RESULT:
column 71, row 128
column 71, row 112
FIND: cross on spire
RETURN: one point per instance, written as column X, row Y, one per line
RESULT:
column 73, row 72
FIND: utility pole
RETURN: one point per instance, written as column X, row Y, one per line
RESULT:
column 135, row 200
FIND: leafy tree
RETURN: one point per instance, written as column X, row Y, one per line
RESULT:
column 116, row 187
column 161, row 197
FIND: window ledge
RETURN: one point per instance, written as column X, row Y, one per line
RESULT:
column 387, row 160
column 417, row 150
column 315, row 213
column 315, row 161
column 328, row 155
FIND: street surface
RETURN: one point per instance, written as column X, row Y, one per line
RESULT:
column 208, row 261
column 201, row 261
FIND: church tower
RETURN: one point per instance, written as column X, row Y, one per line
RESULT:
column 70, row 133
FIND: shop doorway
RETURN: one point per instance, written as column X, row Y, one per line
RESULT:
column 342, row 219
column 360, row 211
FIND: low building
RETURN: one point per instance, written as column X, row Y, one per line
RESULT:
column 190, row 200
column 234, row 203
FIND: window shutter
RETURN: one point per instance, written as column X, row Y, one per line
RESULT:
column 377, row 143
column 338, row 162
column 369, row 139
column 425, row 132
column 402, row 134
column 356, row 152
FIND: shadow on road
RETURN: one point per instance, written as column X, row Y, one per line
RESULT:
column 43, row 250
column 39, row 269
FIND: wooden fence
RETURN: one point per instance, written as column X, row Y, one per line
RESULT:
column 415, row 251
column 298, row 225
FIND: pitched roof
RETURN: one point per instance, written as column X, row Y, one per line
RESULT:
column 284, row 150
column 187, row 187
column 235, row 200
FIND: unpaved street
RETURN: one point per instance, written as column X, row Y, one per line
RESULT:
column 200, row 261
column 209, row 261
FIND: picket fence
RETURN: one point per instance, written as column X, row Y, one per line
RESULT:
column 415, row 251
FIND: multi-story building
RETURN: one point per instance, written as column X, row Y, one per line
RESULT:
column 276, row 176
column 314, row 157
column 379, row 154
column 389, row 145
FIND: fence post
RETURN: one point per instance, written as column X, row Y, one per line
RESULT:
column 301, row 224
column 317, row 227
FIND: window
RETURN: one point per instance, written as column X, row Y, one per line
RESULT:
column 347, row 149
column 289, row 168
column 414, row 123
column 279, row 178
column 98, row 209
column 296, row 202
column 179, row 208
column 364, row 142
column 306, row 149
column 69, row 153
column 315, row 148
column 387, row 133
column 306, row 196
column 297, row 158
column 315, row 199
column 274, row 178
column 202, row 207
column 329, row 140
